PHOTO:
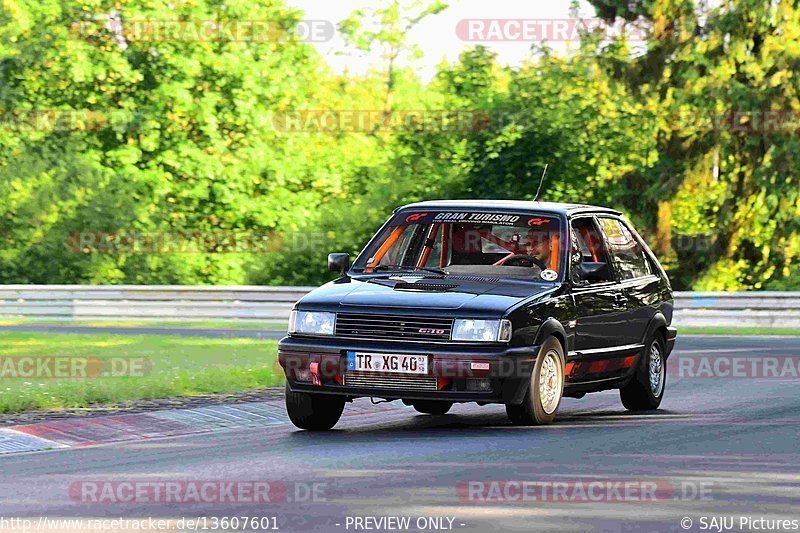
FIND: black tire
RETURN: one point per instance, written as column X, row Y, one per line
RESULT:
column 640, row 394
column 432, row 407
column 531, row 411
column 316, row 412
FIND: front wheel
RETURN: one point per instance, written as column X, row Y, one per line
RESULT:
column 546, row 389
column 315, row 412
column 646, row 388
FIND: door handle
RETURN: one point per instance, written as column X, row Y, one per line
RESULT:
column 620, row 299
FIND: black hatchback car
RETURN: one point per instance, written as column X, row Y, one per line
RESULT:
column 509, row 302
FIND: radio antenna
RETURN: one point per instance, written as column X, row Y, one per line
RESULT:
column 540, row 182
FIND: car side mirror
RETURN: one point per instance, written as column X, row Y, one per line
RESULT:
column 339, row 263
column 589, row 271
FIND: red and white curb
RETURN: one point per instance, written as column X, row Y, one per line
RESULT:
column 127, row 427
column 75, row 432
column 12, row 441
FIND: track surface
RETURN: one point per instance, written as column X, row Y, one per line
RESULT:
column 734, row 439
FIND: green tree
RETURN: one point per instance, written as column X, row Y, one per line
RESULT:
column 387, row 28
column 184, row 140
column 732, row 183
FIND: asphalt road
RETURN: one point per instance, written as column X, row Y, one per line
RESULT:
column 722, row 447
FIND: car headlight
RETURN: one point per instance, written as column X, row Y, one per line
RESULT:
column 468, row 329
column 312, row 322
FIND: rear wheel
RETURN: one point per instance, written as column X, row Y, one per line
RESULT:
column 313, row 411
column 432, row 407
column 646, row 388
column 546, row 389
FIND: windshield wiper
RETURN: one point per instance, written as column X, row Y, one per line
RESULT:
column 406, row 268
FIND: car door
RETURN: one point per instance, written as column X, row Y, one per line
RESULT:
column 637, row 277
column 599, row 305
column 602, row 350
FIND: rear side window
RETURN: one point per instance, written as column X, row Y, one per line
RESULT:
column 630, row 259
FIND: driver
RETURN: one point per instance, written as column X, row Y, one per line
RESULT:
column 537, row 244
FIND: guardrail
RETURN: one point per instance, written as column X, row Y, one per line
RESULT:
column 149, row 302
column 272, row 304
column 738, row 309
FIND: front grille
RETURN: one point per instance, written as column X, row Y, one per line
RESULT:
column 393, row 327
column 393, row 382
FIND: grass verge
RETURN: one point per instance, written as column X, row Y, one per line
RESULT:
column 127, row 368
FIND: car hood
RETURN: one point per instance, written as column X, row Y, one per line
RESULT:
column 477, row 297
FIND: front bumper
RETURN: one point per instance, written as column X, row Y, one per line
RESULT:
column 508, row 373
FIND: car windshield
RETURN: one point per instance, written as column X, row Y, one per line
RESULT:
column 490, row 244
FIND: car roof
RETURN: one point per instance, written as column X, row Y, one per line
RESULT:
column 552, row 207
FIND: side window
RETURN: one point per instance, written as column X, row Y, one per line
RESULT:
column 588, row 247
column 630, row 259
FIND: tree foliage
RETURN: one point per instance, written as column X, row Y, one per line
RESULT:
column 181, row 135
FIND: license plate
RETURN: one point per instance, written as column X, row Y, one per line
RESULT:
column 384, row 362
